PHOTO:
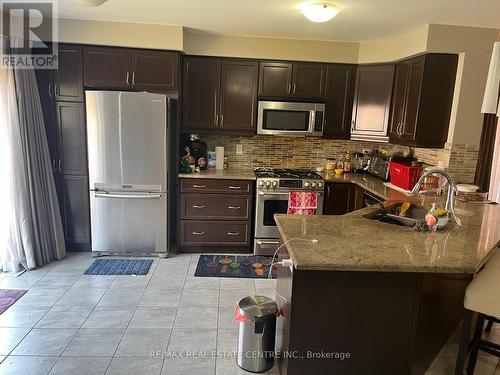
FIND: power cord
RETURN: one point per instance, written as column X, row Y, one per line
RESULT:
column 286, row 262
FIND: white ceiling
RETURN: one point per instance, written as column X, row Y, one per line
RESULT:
column 359, row 20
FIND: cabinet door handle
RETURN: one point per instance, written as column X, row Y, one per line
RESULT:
column 294, row 87
column 198, row 206
column 53, row 165
column 233, row 233
column 60, row 168
column 234, row 207
column 402, row 127
column 127, row 77
column 198, row 233
column 353, row 125
column 199, row 186
column 216, row 115
column 50, row 90
column 221, row 120
column 288, row 87
column 234, row 187
column 133, row 79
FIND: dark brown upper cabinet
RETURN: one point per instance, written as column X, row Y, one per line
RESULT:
column 124, row 68
column 72, row 138
column 155, row 70
column 275, row 79
column 68, row 80
column 47, row 101
column 219, row 94
column 107, row 67
column 422, row 100
column 372, row 102
column 309, row 80
column 238, row 94
column 201, row 92
column 292, row 80
column 339, row 98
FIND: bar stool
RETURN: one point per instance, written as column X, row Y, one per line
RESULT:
column 482, row 297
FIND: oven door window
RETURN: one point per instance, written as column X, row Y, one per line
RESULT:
column 271, row 207
column 286, row 120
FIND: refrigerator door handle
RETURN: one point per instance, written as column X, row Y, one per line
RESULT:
column 128, row 196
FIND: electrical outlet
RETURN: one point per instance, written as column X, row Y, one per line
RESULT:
column 239, row 149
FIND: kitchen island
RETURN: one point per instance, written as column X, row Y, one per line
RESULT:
column 367, row 297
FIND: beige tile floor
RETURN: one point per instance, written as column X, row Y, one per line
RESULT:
column 72, row 323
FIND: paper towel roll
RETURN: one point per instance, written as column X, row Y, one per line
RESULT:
column 219, row 158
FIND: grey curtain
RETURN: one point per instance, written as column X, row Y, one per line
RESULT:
column 44, row 222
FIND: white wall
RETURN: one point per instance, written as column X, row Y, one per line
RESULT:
column 197, row 43
column 396, row 48
column 134, row 35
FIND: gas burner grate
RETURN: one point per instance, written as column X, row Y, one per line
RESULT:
column 286, row 173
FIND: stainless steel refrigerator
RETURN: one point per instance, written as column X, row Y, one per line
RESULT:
column 127, row 157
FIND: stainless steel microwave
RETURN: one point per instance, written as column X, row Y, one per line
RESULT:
column 290, row 118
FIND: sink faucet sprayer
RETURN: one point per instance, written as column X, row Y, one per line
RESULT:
column 450, row 198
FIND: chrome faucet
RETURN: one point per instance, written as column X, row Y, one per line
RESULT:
column 450, row 198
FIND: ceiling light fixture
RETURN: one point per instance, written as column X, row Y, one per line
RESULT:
column 319, row 12
column 92, row 3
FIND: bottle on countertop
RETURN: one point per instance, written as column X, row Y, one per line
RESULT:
column 340, row 162
column 431, row 218
column 347, row 162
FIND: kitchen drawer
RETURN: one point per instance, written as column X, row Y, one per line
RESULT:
column 197, row 185
column 221, row 233
column 216, row 206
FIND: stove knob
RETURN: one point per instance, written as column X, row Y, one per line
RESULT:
column 261, row 183
column 307, row 184
column 320, row 185
column 275, row 184
column 313, row 185
column 268, row 183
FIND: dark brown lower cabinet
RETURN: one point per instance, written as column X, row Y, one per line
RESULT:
column 342, row 198
column 391, row 323
column 216, row 215
column 339, row 198
column 215, row 233
column 75, row 212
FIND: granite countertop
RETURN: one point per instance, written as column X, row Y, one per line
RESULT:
column 227, row 174
column 353, row 243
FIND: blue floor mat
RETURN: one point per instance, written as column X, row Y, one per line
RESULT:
column 119, row 267
column 248, row 266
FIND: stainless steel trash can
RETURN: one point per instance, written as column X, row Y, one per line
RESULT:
column 257, row 317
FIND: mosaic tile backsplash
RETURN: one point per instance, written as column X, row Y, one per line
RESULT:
column 276, row 151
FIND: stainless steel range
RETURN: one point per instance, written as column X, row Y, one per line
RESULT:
column 273, row 188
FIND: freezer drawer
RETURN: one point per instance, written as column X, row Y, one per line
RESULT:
column 210, row 233
column 128, row 221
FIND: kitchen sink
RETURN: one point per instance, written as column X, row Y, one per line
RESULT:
column 390, row 215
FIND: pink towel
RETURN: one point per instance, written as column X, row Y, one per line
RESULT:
column 302, row 203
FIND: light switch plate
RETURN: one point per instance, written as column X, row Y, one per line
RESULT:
column 239, row 149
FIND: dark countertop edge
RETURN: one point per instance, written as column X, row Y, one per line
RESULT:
column 231, row 174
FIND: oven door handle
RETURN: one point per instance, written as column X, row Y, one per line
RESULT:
column 263, row 193
column 260, row 242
